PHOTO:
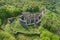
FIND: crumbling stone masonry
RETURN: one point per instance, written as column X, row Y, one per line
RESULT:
column 28, row 18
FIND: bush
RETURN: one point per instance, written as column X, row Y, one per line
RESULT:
column 45, row 38
column 46, row 35
column 9, row 11
column 6, row 36
column 33, row 9
column 55, row 37
column 50, row 21
column 0, row 22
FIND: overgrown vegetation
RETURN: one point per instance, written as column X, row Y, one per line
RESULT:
column 48, row 28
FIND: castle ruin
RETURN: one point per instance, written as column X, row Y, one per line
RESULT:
column 28, row 18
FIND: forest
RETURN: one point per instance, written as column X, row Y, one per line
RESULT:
column 15, row 24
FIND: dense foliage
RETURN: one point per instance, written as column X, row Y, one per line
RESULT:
column 48, row 28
